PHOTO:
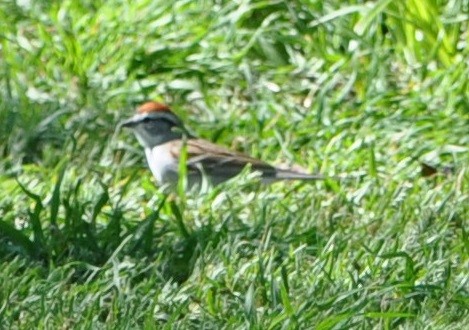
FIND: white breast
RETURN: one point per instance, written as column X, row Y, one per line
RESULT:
column 162, row 164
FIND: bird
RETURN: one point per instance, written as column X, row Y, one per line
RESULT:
column 164, row 137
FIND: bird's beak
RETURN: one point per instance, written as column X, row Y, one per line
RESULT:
column 131, row 122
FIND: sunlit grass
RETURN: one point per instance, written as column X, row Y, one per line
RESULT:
column 367, row 91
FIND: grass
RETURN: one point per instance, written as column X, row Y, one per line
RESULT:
column 372, row 91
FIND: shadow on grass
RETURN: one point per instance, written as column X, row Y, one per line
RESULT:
column 54, row 238
column 95, row 231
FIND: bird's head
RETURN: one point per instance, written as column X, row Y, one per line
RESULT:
column 154, row 124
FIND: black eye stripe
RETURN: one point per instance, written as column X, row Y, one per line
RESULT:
column 154, row 120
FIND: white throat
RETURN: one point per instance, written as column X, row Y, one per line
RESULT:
column 163, row 165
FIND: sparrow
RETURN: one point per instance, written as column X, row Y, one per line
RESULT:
column 164, row 137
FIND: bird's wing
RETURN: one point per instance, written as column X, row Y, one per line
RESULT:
column 215, row 160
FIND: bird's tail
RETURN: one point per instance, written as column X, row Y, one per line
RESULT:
column 293, row 175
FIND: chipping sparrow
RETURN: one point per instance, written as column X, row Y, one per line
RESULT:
column 163, row 136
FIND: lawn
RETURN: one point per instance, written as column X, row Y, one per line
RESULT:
column 374, row 95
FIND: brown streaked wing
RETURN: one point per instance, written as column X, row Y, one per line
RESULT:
column 217, row 160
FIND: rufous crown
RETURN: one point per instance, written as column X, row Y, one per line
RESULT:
column 152, row 106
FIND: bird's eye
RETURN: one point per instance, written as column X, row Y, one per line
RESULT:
column 146, row 120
